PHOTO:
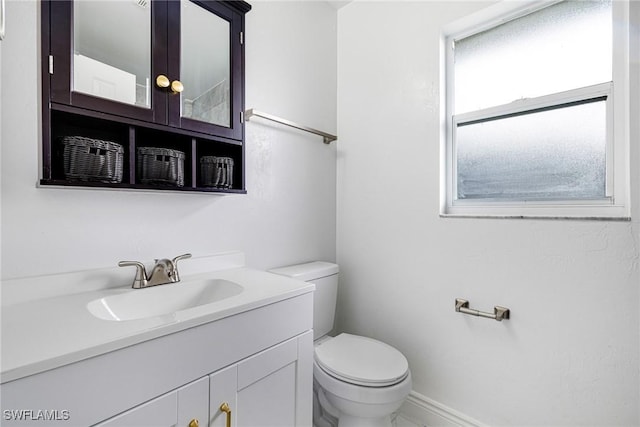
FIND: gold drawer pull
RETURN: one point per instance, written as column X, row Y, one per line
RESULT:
column 225, row 408
column 194, row 423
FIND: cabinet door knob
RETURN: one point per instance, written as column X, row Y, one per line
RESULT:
column 194, row 423
column 176, row 86
column 226, row 409
column 162, row 81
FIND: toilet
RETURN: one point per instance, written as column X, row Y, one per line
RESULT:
column 357, row 381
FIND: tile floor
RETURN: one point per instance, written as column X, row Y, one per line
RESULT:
column 400, row 421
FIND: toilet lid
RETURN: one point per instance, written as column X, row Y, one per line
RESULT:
column 363, row 361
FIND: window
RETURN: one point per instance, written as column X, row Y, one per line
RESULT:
column 536, row 111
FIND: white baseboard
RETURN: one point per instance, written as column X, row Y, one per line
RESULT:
column 429, row 413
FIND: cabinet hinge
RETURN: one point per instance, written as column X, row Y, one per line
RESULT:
column 50, row 64
column 241, row 37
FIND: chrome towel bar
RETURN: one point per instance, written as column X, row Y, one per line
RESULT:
column 327, row 137
column 499, row 313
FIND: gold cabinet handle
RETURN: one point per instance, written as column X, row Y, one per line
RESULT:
column 225, row 408
column 176, row 86
column 194, row 423
column 162, row 81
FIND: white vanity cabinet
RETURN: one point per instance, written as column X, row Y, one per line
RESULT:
column 258, row 361
column 271, row 388
column 223, row 389
column 183, row 407
column 160, row 412
column 193, row 404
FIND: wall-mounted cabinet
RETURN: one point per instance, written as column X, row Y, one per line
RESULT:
column 144, row 94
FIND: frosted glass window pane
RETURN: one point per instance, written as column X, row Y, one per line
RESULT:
column 555, row 154
column 562, row 47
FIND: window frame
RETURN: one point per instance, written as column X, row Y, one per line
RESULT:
column 616, row 204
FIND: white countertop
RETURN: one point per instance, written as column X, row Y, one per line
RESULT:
column 49, row 332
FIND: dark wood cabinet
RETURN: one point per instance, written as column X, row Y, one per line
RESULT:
column 152, row 75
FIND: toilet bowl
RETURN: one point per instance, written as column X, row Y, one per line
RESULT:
column 357, row 381
column 364, row 380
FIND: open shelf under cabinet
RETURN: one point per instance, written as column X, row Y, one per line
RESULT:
column 132, row 135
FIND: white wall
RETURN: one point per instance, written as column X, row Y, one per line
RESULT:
column 1, row 136
column 288, row 214
column 569, row 353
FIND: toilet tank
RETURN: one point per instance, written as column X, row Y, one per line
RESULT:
column 325, row 276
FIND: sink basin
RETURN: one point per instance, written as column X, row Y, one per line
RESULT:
column 161, row 300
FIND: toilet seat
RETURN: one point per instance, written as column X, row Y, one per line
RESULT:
column 361, row 361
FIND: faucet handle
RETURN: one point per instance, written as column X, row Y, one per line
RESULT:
column 176, row 277
column 140, row 281
column 179, row 257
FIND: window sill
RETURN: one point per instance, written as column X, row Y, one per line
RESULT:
column 603, row 210
column 539, row 217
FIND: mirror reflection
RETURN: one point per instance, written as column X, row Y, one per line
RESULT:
column 112, row 50
column 205, row 65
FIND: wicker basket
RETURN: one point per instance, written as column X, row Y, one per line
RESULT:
column 160, row 166
column 216, row 171
column 87, row 159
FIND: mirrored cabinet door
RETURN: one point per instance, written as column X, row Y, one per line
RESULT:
column 106, row 56
column 210, row 49
column 112, row 50
column 205, row 65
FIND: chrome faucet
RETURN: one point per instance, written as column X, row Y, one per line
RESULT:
column 165, row 271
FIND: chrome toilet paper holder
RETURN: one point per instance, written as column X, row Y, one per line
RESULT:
column 499, row 312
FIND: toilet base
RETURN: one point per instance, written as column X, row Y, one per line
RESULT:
column 326, row 414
